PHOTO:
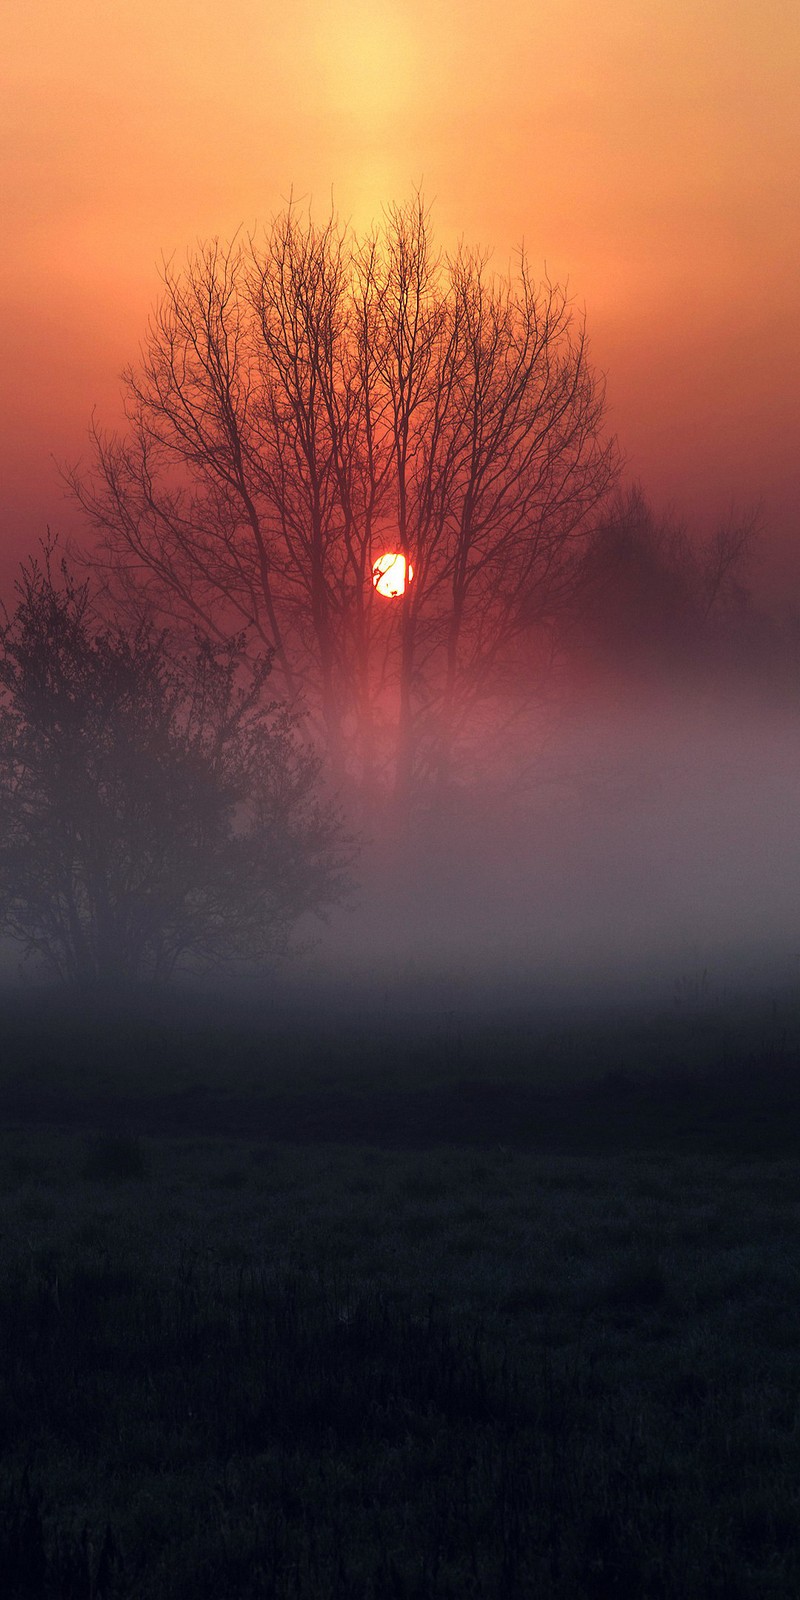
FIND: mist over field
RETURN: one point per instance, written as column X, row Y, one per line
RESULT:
column 629, row 840
column 649, row 849
column 619, row 830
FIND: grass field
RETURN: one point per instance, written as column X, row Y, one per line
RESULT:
column 319, row 1310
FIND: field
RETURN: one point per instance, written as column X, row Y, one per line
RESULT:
column 342, row 1308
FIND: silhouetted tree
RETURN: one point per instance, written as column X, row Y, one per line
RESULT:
column 310, row 400
column 651, row 600
column 156, row 811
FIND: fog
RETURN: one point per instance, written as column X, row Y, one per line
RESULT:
column 619, row 832
column 652, row 855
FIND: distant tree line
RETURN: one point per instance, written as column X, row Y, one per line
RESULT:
column 654, row 601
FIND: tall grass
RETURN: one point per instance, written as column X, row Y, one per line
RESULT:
column 478, row 1338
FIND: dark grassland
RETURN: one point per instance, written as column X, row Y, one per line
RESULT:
column 353, row 1309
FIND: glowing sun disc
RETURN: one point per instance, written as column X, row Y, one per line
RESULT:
column 389, row 574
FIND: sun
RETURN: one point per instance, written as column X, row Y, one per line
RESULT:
column 389, row 574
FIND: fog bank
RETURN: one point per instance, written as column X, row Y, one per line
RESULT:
column 649, row 852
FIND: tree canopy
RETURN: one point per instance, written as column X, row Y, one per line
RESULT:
column 309, row 400
column 157, row 811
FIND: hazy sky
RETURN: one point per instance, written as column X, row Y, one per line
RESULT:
column 648, row 149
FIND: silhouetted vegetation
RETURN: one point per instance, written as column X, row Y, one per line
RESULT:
column 311, row 399
column 656, row 604
column 157, row 810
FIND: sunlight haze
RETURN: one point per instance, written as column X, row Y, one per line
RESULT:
column 647, row 154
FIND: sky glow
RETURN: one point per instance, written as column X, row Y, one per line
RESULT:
column 649, row 154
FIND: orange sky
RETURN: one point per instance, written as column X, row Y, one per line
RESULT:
column 648, row 149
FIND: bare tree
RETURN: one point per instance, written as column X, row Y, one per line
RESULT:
column 156, row 810
column 309, row 400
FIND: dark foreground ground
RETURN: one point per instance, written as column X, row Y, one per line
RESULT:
column 348, row 1307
